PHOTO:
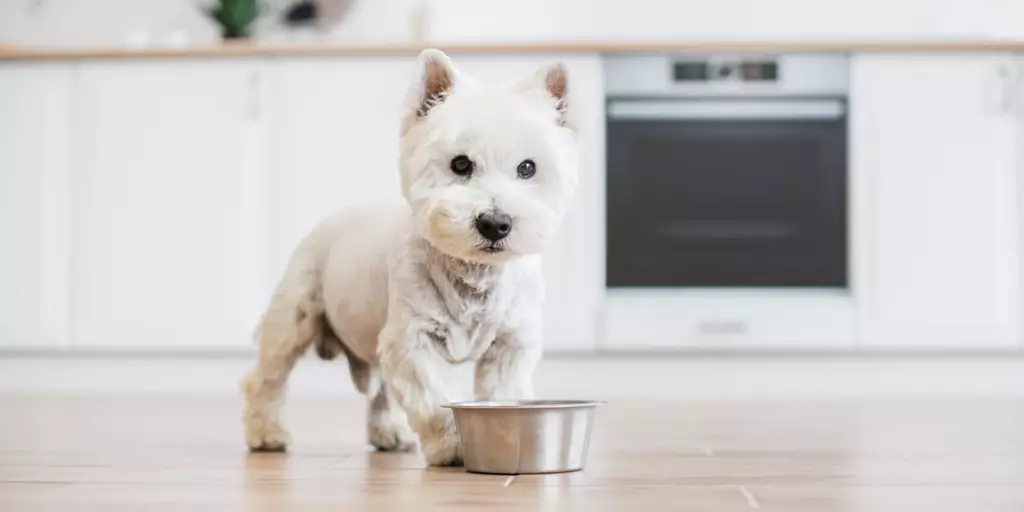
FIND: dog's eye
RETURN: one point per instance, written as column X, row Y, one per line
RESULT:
column 462, row 165
column 526, row 169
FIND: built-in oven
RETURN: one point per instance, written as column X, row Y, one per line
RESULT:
column 726, row 200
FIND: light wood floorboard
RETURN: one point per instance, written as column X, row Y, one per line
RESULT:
column 155, row 454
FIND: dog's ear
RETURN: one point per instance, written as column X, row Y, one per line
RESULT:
column 552, row 84
column 435, row 77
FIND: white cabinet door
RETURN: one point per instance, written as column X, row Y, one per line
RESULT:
column 169, row 203
column 34, row 124
column 335, row 139
column 574, row 264
column 1018, row 107
column 935, row 191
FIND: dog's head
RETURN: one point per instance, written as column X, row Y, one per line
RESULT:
column 488, row 170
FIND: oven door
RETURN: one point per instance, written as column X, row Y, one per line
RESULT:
column 729, row 192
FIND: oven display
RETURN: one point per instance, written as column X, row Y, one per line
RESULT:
column 691, row 71
column 754, row 71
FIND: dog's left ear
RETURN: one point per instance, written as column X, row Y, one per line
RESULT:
column 551, row 85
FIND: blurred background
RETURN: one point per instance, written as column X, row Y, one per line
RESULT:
column 792, row 197
column 158, row 22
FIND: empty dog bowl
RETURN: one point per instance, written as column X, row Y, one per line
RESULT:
column 524, row 436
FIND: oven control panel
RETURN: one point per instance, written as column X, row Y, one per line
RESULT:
column 726, row 70
column 699, row 75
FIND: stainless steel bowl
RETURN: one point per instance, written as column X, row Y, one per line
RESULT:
column 525, row 436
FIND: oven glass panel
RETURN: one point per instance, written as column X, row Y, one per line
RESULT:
column 717, row 203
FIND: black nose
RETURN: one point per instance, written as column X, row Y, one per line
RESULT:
column 494, row 226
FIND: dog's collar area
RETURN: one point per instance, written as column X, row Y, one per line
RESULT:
column 463, row 277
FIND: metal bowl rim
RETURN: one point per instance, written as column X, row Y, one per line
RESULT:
column 513, row 405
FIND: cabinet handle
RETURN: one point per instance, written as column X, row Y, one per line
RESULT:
column 1006, row 93
column 255, row 98
column 722, row 327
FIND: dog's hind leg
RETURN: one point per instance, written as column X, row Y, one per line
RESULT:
column 292, row 322
column 387, row 427
column 328, row 347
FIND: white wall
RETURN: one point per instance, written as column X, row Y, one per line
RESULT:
column 65, row 22
column 160, row 22
column 714, row 19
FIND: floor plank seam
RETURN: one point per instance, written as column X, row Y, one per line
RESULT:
column 909, row 462
column 751, row 499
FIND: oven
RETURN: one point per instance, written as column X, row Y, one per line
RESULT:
column 727, row 219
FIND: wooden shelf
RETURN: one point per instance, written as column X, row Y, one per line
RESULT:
column 243, row 50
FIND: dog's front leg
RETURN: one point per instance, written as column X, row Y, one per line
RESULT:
column 421, row 382
column 505, row 371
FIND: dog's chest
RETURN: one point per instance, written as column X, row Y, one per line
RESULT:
column 465, row 305
column 468, row 326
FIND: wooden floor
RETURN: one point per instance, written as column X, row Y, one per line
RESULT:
column 153, row 454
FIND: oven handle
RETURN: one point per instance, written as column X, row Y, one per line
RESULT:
column 816, row 109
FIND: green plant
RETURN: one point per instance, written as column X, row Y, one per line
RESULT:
column 234, row 16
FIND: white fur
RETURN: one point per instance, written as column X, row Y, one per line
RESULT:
column 409, row 289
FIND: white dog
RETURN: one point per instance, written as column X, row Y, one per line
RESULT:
column 450, row 275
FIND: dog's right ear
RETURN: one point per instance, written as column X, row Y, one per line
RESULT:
column 435, row 77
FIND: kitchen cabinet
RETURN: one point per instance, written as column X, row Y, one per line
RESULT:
column 1017, row 103
column 34, row 217
column 935, row 186
column 153, row 204
column 335, row 141
column 169, row 203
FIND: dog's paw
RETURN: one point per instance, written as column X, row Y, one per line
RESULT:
column 389, row 434
column 443, row 452
column 266, row 439
column 269, row 447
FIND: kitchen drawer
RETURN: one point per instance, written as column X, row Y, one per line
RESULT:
column 638, row 320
